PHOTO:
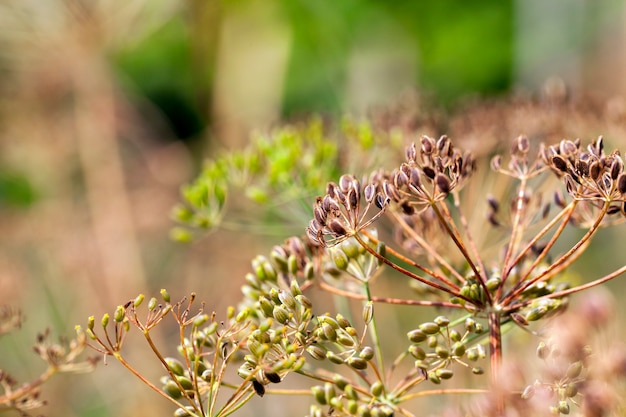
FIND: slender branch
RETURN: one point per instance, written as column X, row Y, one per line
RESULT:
column 388, row 300
column 468, row 235
column 427, row 247
column 590, row 233
column 495, row 355
column 409, row 273
column 449, row 391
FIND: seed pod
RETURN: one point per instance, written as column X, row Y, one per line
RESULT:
column 543, row 350
column 563, row 407
column 258, row 388
column 432, row 342
column 340, row 259
column 172, row 389
column 280, row 314
column 340, row 381
column 470, row 325
column 175, row 366
column 105, row 320
column 571, row 390
column 455, row 336
column 287, row 299
column 416, row 336
column 417, row 352
column 429, row 328
column 319, row 394
column 368, row 312
column 184, row 412
column 357, row 363
column 528, row 392
column 377, row 388
column 352, row 407
column 432, row 377
column 342, row 321
column 329, row 332
column 574, row 369
column 442, row 352
column 536, row 313
column 444, row 373
column 351, row 393
column 458, row 349
column 344, row 340
column 492, row 284
column 478, row 370
column 91, row 322
column 367, row 353
column 317, row 352
column 442, row 321
column 363, row 411
column 138, row 300
column 334, row 358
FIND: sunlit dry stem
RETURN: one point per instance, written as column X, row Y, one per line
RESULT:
column 455, row 236
column 388, row 300
column 411, row 262
column 468, row 234
column 567, row 212
column 572, row 252
column 516, row 231
column 409, row 273
column 448, row 391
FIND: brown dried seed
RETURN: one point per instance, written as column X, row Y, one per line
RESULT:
column 582, row 167
column 344, row 182
column 429, row 172
column 621, row 183
column 370, row 192
column 443, row 183
column 353, row 199
column 522, row 144
column 559, row 163
column 595, row 170
column 496, row 163
column 411, row 153
column 337, row 228
column 400, row 179
column 427, row 145
column 616, row 168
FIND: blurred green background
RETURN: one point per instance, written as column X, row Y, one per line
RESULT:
column 107, row 107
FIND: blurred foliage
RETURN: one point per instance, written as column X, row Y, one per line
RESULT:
column 16, row 190
column 281, row 172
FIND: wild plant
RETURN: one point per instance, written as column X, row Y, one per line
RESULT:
column 424, row 234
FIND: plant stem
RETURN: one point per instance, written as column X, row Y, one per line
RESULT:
column 495, row 356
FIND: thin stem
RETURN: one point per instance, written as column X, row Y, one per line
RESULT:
column 388, row 300
column 470, row 239
column 567, row 211
column 449, row 391
column 495, row 355
column 583, row 241
column 516, row 229
column 375, row 338
column 456, row 238
column 426, row 246
column 409, row 273
column 569, row 291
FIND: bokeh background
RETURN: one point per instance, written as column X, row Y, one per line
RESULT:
column 108, row 107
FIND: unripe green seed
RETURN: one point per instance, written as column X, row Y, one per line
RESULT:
column 165, row 295
column 336, row 403
column 442, row 321
column 363, row 411
column 295, row 288
column 429, row 328
column 292, row 264
column 309, row 271
column 367, row 353
column 493, row 284
column 377, row 389
column 203, row 318
column 442, row 352
column 138, row 300
column 303, row 299
column 351, row 393
column 280, row 314
column 543, row 350
column 455, row 336
column 342, row 321
column 319, row 394
column 563, row 407
column 432, row 377
column 340, row 259
column 479, row 328
column 417, row 352
column 470, row 325
column 287, row 299
column 105, row 320
column 91, row 322
column 416, row 336
column 574, row 369
column 329, row 391
column 536, row 313
column 152, row 304
column 352, row 407
column 334, row 358
column 350, row 248
column 329, row 332
column 444, row 373
column 183, row 412
column 172, row 389
column 184, row 382
column 571, row 390
column 340, row 381
column 458, row 349
column 345, row 340
column 357, row 363
column 368, row 312
column 175, row 366
column 432, row 342
column 478, row 370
